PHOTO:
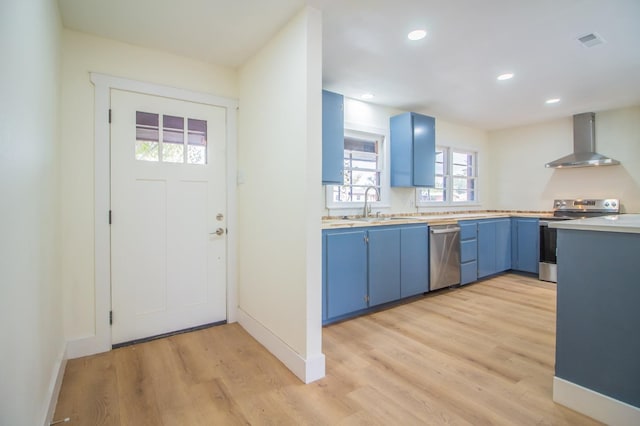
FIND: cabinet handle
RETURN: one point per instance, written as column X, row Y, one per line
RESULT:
column 445, row 231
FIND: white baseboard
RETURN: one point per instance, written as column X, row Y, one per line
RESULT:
column 84, row 346
column 55, row 384
column 601, row 407
column 307, row 370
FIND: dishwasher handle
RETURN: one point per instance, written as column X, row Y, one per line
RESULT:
column 445, row 230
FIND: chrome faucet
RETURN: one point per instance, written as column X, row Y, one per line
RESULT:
column 367, row 206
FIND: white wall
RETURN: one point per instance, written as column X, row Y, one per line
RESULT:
column 30, row 292
column 364, row 115
column 279, row 151
column 519, row 179
column 83, row 54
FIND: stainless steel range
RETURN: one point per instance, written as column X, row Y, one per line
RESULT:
column 568, row 210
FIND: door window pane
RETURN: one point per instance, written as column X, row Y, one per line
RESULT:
column 147, row 136
column 197, row 142
column 172, row 139
column 163, row 138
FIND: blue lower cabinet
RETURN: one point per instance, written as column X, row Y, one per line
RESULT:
column 414, row 260
column 486, row 248
column 494, row 246
column 503, row 245
column 345, row 273
column 366, row 267
column 525, row 244
column 468, row 251
column 384, row 265
column 597, row 340
column 468, row 272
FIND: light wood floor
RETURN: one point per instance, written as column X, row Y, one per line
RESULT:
column 482, row 354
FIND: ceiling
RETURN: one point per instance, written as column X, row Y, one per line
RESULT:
column 450, row 74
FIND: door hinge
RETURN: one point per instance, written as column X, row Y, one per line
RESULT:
column 109, row 217
column 109, row 115
column 366, row 239
column 110, row 317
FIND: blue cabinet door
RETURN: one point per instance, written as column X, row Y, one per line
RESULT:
column 424, row 151
column 503, row 245
column 414, row 260
column 486, row 248
column 345, row 274
column 413, row 150
column 525, row 243
column 332, row 138
column 384, row 265
column 494, row 246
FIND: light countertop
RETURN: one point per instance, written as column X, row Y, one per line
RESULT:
column 439, row 219
column 629, row 223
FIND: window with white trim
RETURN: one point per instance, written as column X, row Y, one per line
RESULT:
column 363, row 162
column 456, row 179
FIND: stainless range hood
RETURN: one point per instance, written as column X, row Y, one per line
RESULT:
column 584, row 146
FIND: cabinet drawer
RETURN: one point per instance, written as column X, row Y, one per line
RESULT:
column 468, row 272
column 468, row 250
column 468, row 230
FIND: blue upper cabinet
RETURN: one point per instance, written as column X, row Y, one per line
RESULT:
column 332, row 138
column 413, row 150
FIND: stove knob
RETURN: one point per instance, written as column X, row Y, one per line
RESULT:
column 606, row 204
column 614, row 204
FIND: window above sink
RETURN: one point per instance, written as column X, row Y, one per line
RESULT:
column 365, row 165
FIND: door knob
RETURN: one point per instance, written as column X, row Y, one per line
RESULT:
column 219, row 231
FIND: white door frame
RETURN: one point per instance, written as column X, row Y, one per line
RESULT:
column 101, row 341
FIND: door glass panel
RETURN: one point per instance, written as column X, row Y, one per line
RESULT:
column 147, row 136
column 197, row 142
column 172, row 139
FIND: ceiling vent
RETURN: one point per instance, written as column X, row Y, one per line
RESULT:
column 590, row 40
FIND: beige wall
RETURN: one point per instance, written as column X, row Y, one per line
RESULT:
column 83, row 54
column 519, row 179
column 31, row 332
column 279, row 153
column 402, row 200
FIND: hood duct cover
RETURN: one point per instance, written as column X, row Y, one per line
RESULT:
column 584, row 146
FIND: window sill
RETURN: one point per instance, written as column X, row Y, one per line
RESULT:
column 355, row 209
column 448, row 205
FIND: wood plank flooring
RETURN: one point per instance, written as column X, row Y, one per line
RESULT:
column 482, row 354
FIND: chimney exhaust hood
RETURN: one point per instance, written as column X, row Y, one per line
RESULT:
column 584, row 146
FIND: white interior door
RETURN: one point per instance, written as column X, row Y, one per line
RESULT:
column 168, row 198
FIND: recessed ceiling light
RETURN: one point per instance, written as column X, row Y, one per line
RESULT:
column 505, row 76
column 417, row 35
column 367, row 96
column 552, row 101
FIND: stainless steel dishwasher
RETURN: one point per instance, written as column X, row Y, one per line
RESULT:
column 444, row 256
